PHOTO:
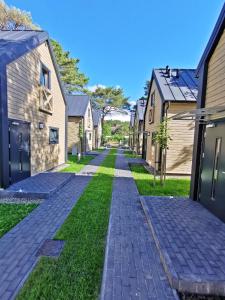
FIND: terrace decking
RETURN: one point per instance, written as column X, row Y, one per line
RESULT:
column 191, row 243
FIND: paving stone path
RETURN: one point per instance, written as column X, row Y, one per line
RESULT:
column 191, row 241
column 18, row 248
column 132, row 267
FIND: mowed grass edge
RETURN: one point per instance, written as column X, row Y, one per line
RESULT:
column 145, row 184
column 77, row 273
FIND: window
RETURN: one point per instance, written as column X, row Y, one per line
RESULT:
column 153, row 99
column 152, row 108
column 216, row 167
column 89, row 113
column 153, row 138
column 89, row 136
column 45, row 77
column 53, row 135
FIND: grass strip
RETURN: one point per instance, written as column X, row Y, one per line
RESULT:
column 131, row 154
column 172, row 186
column 11, row 214
column 74, row 165
column 77, row 273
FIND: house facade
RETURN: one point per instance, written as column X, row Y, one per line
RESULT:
column 80, row 124
column 170, row 92
column 97, row 128
column 208, row 170
column 138, row 126
column 131, row 130
column 32, row 107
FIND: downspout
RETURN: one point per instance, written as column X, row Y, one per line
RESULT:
column 166, row 115
column 66, row 133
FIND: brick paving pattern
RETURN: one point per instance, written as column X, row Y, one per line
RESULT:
column 132, row 267
column 191, row 242
column 18, row 247
column 40, row 185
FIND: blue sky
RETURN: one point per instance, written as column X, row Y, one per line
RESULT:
column 120, row 41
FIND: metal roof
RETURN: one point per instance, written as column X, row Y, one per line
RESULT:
column 217, row 32
column 180, row 85
column 14, row 44
column 77, row 105
column 96, row 115
column 141, row 104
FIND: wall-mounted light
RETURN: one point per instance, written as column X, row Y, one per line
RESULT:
column 41, row 125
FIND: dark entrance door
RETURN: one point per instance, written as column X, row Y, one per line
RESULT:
column 145, row 137
column 19, row 150
column 212, row 186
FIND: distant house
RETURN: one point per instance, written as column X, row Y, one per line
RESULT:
column 139, row 126
column 80, row 124
column 208, row 170
column 131, row 130
column 171, row 92
column 32, row 106
column 97, row 128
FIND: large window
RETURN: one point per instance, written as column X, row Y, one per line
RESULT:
column 45, row 77
column 152, row 108
column 53, row 135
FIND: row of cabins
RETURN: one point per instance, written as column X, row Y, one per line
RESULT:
column 194, row 102
column 39, row 124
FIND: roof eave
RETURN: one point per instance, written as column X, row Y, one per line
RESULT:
column 214, row 38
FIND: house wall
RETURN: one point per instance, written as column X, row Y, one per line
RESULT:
column 151, row 128
column 23, row 76
column 215, row 89
column 73, row 135
column 88, row 128
column 180, row 147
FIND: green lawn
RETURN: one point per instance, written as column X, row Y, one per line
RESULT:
column 77, row 273
column 131, row 154
column 74, row 165
column 11, row 214
column 172, row 187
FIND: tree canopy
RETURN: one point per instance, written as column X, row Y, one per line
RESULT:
column 72, row 78
column 109, row 99
column 12, row 18
column 115, row 130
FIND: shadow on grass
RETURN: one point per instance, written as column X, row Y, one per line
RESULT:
column 146, row 186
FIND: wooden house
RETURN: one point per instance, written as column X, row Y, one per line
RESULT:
column 32, row 106
column 97, row 128
column 170, row 92
column 131, row 130
column 208, row 170
column 80, row 124
column 138, row 126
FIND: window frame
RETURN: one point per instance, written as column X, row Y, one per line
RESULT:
column 47, row 70
column 55, row 129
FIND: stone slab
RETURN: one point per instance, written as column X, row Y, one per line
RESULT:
column 191, row 244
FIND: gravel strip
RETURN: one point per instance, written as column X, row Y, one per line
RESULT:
column 20, row 201
column 199, row 297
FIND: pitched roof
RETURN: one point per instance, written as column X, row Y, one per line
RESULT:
column 77, row 105
column 173, row 87
column 96, row 114
column 15, row 43
column 140, row 110
column 214, row 38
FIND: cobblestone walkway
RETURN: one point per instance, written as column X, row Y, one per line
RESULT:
column 132, row 267
column 191, row 242
column 19, row 246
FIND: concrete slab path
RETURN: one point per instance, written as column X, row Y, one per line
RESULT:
column 132, row 268
column 18, row 248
